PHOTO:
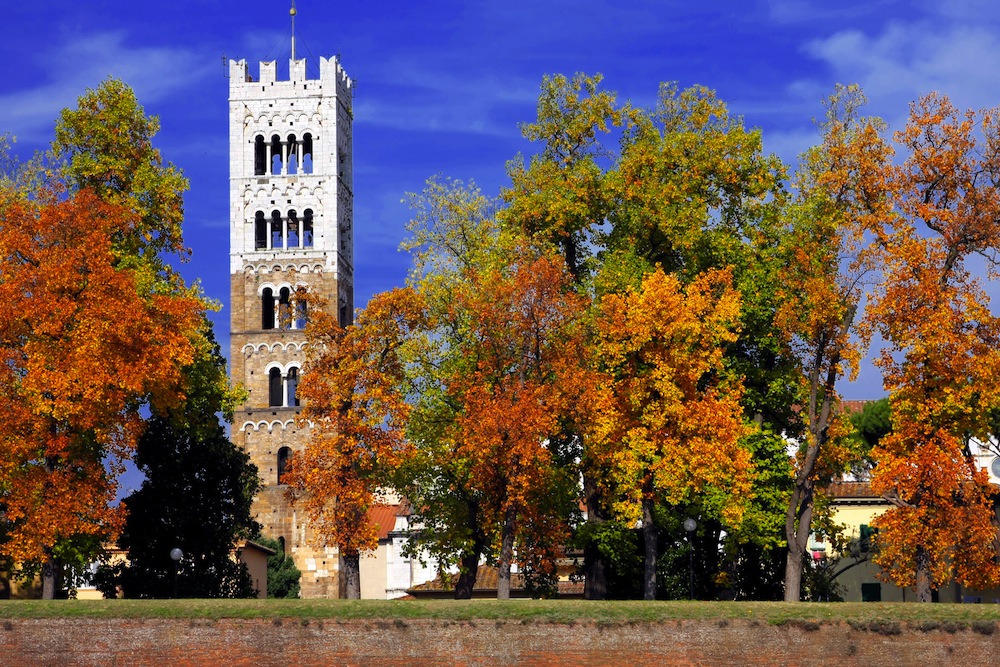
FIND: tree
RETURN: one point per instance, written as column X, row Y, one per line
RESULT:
column 106, row 144
column 842, row 203
column 494, row 372
column 82, row 352
column 282, row 575
column 196, row 495
column 95, row 326
column 941, row 356
column 668, row 424
column 355, row 391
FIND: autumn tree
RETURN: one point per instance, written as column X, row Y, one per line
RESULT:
column 495, row 377
column 354, row 388
column 560, row 197
column 96, row 324
column 841, row 204
column 668, row 423
column 82, row 351
column 688, row 189
column 941, row 356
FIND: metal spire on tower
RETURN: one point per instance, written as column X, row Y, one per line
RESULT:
column 292, row 12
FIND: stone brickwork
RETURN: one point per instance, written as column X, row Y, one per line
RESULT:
column 291, row 247
column 443, row 643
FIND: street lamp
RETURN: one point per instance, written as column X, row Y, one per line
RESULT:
column 176, row 554
column 689, row 525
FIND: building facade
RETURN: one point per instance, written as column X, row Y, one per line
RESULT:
column 291, row 243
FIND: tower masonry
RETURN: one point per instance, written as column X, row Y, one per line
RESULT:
column 291, row 241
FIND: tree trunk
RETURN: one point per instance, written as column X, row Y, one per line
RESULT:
column 649, row 534
column 467, row 574
column 797, row 522
column 595, row 577
column 351, row 571
column 923, row 575
column 469, row 564
column 506, row 554
column 50, row 579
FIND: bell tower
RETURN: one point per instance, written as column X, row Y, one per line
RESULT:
column 291, row 238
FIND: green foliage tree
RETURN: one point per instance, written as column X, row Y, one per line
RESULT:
column 282, row 575
column 196, row 496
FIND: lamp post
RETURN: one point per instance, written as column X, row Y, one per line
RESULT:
column 176, row 554
column 690, row 525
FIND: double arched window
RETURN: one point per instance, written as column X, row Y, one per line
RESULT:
column 289, row 155
column 278, row 232
column 283, row 387
column 284, row 309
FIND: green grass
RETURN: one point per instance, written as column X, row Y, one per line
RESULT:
column 885, row 618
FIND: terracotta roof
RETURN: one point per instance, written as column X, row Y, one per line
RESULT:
column 851, row 490
column 851, row 407
column 384, row 518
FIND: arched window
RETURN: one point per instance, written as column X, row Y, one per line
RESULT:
column 301, row 311
column 284, row 455
column 293, row 229
column 260, row 231
column 285, row 308
column 293, row 155
column 307, row 153
column 267, row 309
column 307, row 228
column 277, row 230
column 275, row 390
column 259, row 157
column 292, row 385
column 275, row 155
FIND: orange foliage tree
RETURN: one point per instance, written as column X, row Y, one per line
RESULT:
column 667, row 425
column 842, row 203
column 82, row 348
column 495, row 372
column 942, row 353
column 520, row 373
column 354, row 387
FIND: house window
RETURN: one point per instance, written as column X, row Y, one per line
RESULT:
column 871, row 592
column 284, row 455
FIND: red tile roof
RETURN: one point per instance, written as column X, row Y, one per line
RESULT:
column 384, row 518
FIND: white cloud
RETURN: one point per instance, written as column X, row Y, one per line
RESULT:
column 907, row 60
column 155, row 73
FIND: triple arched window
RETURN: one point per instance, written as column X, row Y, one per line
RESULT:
column 283, row 155
column 283, row 309
column 283, row 387
column 281, row 232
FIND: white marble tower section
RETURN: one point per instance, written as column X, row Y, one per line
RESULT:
column 291, row 239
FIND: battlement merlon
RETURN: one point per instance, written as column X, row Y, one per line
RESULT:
column 330, row 71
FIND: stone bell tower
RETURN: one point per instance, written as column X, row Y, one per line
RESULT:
column 291, row 238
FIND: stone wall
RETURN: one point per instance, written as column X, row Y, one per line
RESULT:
column 439, row 643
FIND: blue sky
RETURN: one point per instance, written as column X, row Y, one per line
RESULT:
column 442, row 86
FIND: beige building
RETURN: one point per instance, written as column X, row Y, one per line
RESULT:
column 291, row 241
